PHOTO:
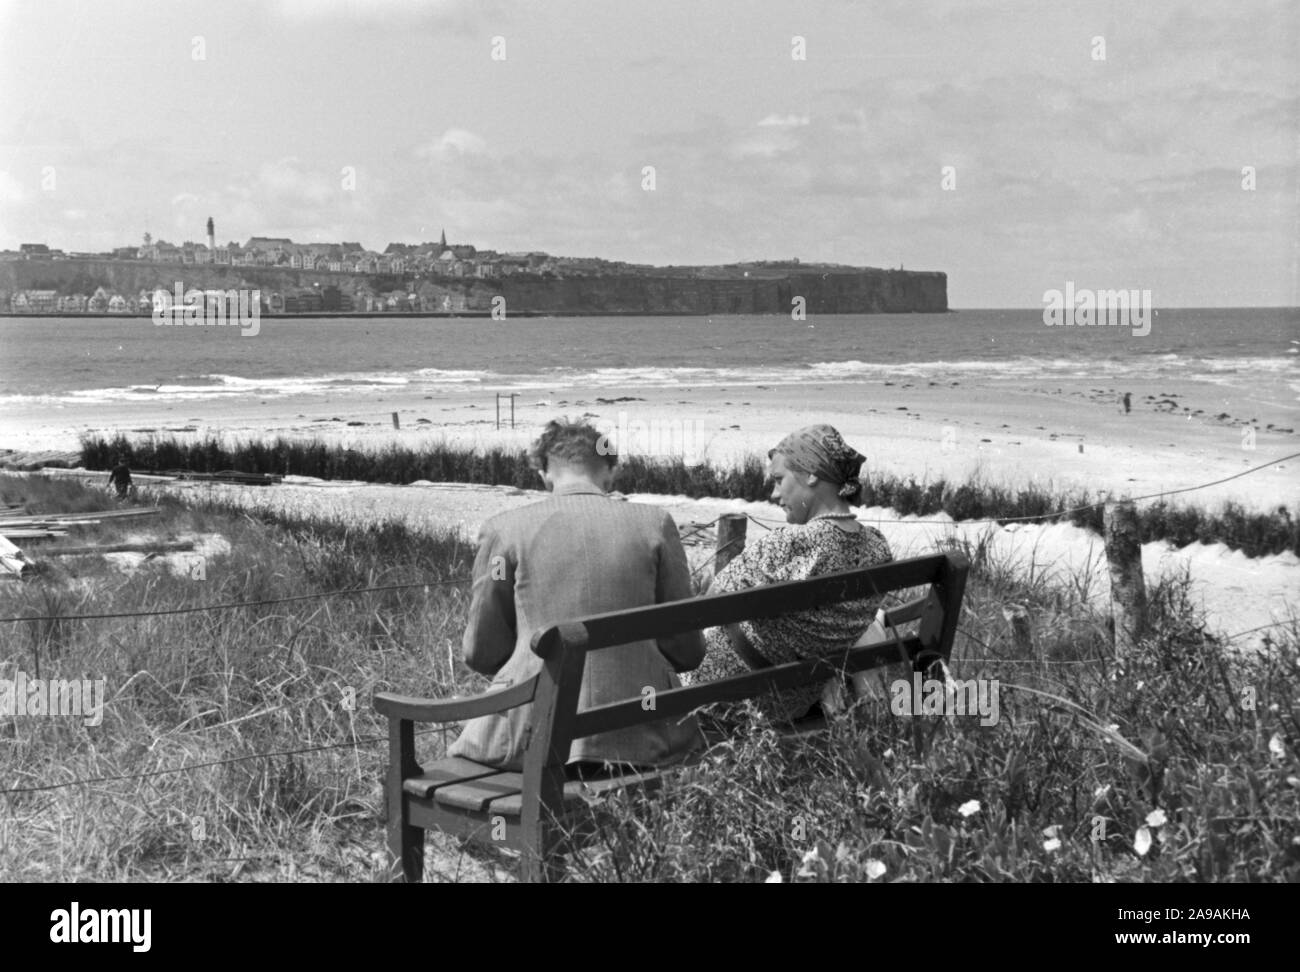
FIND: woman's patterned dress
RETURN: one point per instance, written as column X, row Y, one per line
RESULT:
column 795, row 552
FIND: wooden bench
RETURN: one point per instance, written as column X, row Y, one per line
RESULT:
column 530, row 811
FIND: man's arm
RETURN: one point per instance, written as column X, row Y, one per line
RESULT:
column 490, row 634
column 673, row 583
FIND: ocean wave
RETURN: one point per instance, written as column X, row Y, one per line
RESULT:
column 215, row 387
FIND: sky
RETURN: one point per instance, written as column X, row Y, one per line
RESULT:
column 1016, row 146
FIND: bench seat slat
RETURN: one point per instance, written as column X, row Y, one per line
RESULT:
column 574, row 791
column 453, row 769
column 475, row 795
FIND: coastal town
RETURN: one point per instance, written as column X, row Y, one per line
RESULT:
column 313, row 278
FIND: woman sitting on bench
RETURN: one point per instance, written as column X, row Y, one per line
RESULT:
column 816, row 482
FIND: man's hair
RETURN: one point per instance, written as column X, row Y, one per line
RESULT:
column 572, row 442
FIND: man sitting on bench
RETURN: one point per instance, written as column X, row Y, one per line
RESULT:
column 578, row 552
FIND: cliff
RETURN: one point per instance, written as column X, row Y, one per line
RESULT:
column 838, row 290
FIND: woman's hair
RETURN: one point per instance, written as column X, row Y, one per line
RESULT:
column 573, row 442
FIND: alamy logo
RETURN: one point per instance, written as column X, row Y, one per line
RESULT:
column 663, row 438
column 1082, row 307
column 23, row 696
column 948, row 696
column 190, row 307
column 130, row 925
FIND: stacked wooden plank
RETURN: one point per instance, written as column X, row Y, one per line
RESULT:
column 231, row 476
column 34, row 526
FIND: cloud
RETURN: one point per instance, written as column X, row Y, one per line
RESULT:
column 463, row 16
column 454, row 140
column 11, row 190
column 783, row 121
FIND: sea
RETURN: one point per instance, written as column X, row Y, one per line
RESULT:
column 72, row 360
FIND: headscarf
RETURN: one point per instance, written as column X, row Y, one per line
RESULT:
column 821, row 451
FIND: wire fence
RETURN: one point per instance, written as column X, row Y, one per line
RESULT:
column 695, row 530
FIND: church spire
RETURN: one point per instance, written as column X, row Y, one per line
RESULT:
column 443, row 241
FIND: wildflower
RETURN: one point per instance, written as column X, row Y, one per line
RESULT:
column 808, row 867
column 969, row 807
column 875, row 869
column 1142, row 841
column 1051, row 845
column 1156, row 818
column 1276, row 746
column 1052, row 831
column 774, row 878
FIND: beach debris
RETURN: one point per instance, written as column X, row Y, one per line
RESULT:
column 150, row 546
column 30, row 461
column 12, row 560
column 229, row 476
column 33, row 526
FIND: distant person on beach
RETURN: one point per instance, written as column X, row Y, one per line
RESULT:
column 120, row 477
column 816, row 482
column 1128, row 402
column 576, row 553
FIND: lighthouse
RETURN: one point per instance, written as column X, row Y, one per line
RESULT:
column 212, row 235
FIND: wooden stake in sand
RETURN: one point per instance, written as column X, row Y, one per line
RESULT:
column 731, row 539
column 1128, row 589
column 1022, row 634
column 156, row 546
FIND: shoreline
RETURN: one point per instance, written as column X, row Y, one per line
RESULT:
column 1062, row 436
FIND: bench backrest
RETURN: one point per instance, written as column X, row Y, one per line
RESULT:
column 556, row 722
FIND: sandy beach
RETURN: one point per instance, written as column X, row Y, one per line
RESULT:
column 1060, row 435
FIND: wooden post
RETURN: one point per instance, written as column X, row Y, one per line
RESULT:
column 498, row 395
column 1022, row 635
column 564, row 650
column 731, row 539
column 396, row 423
column 1128, row 589
column 405, row 843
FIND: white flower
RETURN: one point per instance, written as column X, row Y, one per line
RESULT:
column 1051, row 845
column 875, row 869
column 1156, row 818
column 1113, row 727
column 888, row 753
column 1142, row 841
column 774, row 878
column 1276, row 746
column 1052, row 831
column 969, row 807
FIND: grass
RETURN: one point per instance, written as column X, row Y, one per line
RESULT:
column 212, row 686
column 1256, row 534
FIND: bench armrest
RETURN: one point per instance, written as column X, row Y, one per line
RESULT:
column 454, row 710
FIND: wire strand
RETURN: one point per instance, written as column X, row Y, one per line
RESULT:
column 235, row 604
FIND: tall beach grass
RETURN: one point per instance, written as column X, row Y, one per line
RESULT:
column 1255, row 534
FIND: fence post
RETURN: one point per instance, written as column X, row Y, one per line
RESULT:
column 731, row 539
column 396, row 424
column 1022, row 634
column 1128, row 589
